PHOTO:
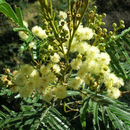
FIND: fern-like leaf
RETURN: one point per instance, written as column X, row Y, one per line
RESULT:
column 119, row 53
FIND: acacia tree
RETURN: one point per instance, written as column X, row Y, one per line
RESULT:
column 68, row 60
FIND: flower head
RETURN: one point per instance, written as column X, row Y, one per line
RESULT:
column 75, row 83
column 92, row 52
column 113, row 92
column 26, row 69
column 36, row 30
column 76, row 63
column 62, row 15
column 51, row 77
column 82, row 47
column 56, row 68
column 14, row 89
column 103, row 59
column 60, row 91
column 23, row 35
column 55, row 58
column 47, row 95
column 41, row 86
column 30, row 84
column 44, row 70
column 84, row 33
column 25, row 92
column 20, row 79
column 42, row 34
column 110, row 80
column 25, row 24
column 34, row 74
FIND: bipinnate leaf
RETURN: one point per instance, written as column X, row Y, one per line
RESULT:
column 116, row 49
column 83, row 110
column 72, row 93
column 33, row 119
column 95, row 115
column 6, row 9
column 118, row 124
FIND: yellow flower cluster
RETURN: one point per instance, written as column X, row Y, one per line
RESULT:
column 91, row 65
column 36, row 30
column 95, row 63
column 30, row 79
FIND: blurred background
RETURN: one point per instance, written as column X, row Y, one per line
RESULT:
column 10, row 42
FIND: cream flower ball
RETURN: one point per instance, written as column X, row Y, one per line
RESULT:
column 113, row 93
column 81, row 73
column 30, row 84
column 25, row 92
column 44, row 79
column 75, row 83
column 31, row 44
column 51, row 77
column 42, row 34
column 82, row 47
column 92, row 52
column 20, row 79
column 47, row 95
column 34, row 74
column 110, row 80
column 62, row 15
column 76, row 63
column 36, row 30
column 41, row 86
column 60, row 91
column 56, row 68
column 25, row 24
column 103, row 59
column 55, row 58
column 84, row 33
column 23, row 35
column 14, row 89
column 26, row 69
column 44, row 70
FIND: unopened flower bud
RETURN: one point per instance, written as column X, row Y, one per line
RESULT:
column 101, row 38
column 104, row 15
column 114, row 25
column 91, row 11
column 103, row 23
column 91, row 25
column 100, row 16
column 110, row 33
column 96, row 15
column 98, row 22
column 113, row 37
column 102, row 48
column 122, row 26
column 104, row 30
column 78, row 16
column 121, row 22
column 95, row 7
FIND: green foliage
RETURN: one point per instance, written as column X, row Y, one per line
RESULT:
column 7, row 10
column 120, row 59
column 38, row 118
column 35, row 114
column 105, row 111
